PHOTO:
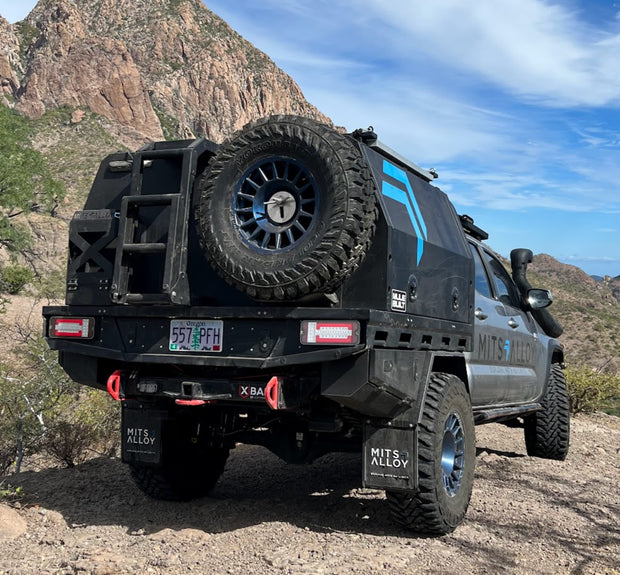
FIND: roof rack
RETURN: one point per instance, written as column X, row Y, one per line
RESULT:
column 370, row 138
column 473, row 230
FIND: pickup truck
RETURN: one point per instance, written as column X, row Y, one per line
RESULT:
column 308, row 291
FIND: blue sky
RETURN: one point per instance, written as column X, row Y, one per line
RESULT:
column 516, row 103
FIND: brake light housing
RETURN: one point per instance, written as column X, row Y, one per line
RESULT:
column 336, row 332
column 72, row 327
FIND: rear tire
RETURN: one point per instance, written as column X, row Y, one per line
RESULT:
column 547, row 432
column 446, row 461
column 287, row 209
column 189, row 469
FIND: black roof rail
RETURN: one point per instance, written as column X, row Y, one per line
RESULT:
column 473, row 230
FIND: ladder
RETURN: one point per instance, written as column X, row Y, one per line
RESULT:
column 142, row 234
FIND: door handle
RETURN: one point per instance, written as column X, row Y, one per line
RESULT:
column 512, row 323
column 480, row 314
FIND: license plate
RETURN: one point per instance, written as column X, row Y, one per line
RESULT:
column 196, row 335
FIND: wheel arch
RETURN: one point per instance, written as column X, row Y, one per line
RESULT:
column 556, row 354
column 453, row 364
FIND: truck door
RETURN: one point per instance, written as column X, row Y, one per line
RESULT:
column 505, row 358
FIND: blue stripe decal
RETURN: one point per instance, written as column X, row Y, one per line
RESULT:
column 407, row 198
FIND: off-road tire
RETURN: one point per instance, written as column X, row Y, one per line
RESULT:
column 446, row 429
column 547, row 432
column 181, row 481
column 286, row 209
column 189, row 469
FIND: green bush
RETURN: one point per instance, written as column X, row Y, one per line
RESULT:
column 590, row 390
column 13, row 278
column 9, row 493
column 42, row 410
column 51, row 286
column 82, row 425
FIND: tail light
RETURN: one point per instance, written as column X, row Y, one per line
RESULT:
column 72, row 327
column 330, row 332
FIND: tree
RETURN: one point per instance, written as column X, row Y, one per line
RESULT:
column 26, row 183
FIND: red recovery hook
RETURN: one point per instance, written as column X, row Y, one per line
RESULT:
column 114, row 385
column 272, row 392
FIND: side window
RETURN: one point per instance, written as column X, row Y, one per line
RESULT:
column 482, row 281
column 504, row 287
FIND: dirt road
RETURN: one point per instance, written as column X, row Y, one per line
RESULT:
column 265, row 517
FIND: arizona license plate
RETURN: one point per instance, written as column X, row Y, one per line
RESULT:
column 196, row 335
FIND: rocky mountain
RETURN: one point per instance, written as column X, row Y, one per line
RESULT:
column 614, row 285
column 153, row 68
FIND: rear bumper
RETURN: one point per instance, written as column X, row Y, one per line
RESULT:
column 380, row 374
column 258, row 338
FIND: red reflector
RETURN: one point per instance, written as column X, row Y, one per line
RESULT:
column 330, row 332
column 78, row 327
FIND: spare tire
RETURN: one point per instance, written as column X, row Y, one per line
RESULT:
column 287, row 208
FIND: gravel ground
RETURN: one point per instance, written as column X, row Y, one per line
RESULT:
column 265, row 517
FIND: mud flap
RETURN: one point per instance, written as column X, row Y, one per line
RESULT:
column 390, row 457
column 141, row 434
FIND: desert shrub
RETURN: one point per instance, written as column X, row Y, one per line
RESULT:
column 13, row 278
column 51, row 286
column 26, row 182
column 42, row 410
column 7, row 450
column 591, row 390
column 82, row 425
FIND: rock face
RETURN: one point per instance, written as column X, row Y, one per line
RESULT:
column 10, row 65
column 154, row 67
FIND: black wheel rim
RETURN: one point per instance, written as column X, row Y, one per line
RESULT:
column 452, row 454
column 275, row 205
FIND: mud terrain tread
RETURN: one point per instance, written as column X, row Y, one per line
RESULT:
column 425, row 510
column 346, row 237
column 547, row 432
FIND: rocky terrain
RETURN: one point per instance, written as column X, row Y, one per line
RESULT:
column 526, row 516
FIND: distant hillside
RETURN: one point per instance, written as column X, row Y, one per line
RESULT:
column 613, row 284
column 589, row 311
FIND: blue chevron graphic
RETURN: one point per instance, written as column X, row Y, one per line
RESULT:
column 407, row 198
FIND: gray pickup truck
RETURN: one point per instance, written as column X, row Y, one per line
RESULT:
column 311, row 292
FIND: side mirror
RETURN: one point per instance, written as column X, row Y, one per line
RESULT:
column 539, row 298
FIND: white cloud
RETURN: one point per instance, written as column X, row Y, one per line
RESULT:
column 414, row 120
column 598, row 136
column 532, row 48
